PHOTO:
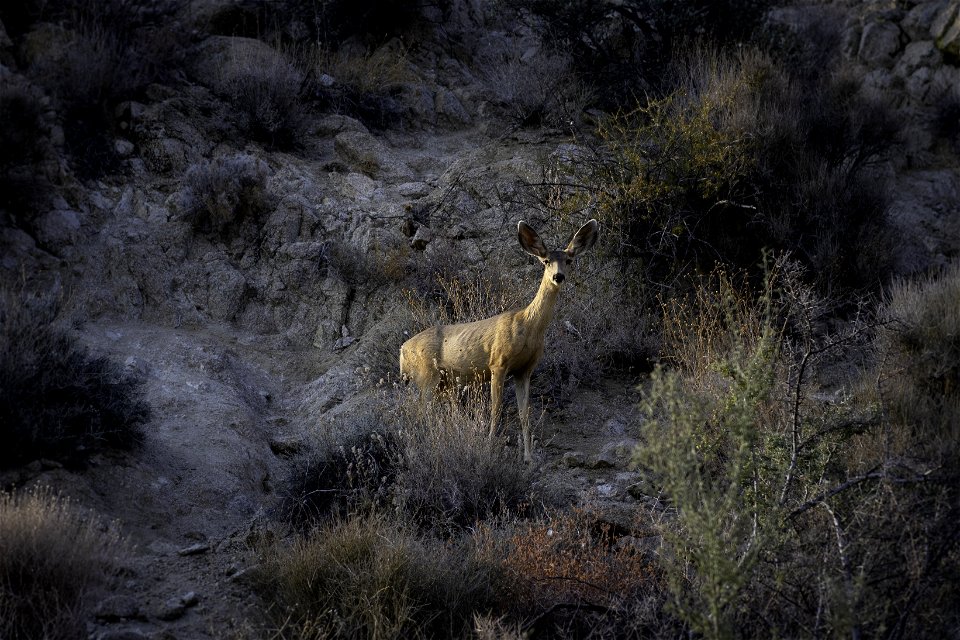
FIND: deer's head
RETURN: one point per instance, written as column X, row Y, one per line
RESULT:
column 557, row 263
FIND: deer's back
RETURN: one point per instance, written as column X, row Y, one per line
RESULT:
column 470, row 349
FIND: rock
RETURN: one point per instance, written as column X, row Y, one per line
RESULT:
column 915, row 56
column 333, row 124
column 606, row 490
column 59, row 228
column 176, row 607
column 124, row 148
column 449, row 108
column 364, row 152
column 413, row 189
column 879, row 43
column 172, row 609
column 119, row 607
column 573, row 459
column 286, row 446
column 919, row 84
column 194, row 549
column 421, row 239
column 945, row 29
column 615, row 454
column 5, row 41
column 916, row 24
column 121, row 634
column 615, row 426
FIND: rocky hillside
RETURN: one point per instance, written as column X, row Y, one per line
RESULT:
column 251, row 225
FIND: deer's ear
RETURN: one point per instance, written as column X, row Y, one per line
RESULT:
column 530, row 241
column 583, row 239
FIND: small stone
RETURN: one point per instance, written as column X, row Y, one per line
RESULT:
column 573, row 459
column 636, row 491
column 172, row 609
column 286, row 446
column 189, row 599
column 117, row 608
column 194, row 549
column 606, row 490
column 121, row 634
column 421, row 239
column 124, row 148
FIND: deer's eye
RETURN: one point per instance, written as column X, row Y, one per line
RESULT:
column 569, row 260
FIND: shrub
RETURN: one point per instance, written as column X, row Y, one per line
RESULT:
column 24, row 144
column 369, row 86
column 453, row 474
column 920, row 355
column 114, row 50
column 265, row 92
column 624, row 47
column 536, row 91
column 432, row 464
column 226, row 195
column 337, row 479
column 568, row 571
column 52, row 560
column 701, row 175
column 57, row 400
column 778, row 507
column 371, row 578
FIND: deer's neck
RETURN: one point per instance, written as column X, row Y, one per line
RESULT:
column 539, row 312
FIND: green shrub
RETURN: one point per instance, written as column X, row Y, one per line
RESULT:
column 226, row 195
column 52, row 560
column 783, row 512
column 57, row 400
column 368, row 577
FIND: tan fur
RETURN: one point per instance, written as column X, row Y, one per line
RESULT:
column 508, row 344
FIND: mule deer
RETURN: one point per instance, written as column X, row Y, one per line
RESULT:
column 510, row 343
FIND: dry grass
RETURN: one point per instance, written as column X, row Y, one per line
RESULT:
column 368, row 577
column 367, row 86
column 265, row 93
column 920, row 356
column 52, row 558
column 453, row 474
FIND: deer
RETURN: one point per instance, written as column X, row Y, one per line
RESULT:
column 504, row 345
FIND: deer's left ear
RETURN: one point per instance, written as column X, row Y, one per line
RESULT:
column 583, row 239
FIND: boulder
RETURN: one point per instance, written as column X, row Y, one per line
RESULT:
column 916, row 24
column 917, row 55
column 879, row 43
column 945, row 28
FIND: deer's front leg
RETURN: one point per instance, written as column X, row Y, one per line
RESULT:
column 521, row 384
column 497, row 377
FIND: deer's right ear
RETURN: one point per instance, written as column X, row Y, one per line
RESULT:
column 530, row 241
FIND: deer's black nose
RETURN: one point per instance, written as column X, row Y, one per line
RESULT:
column 558, row 277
